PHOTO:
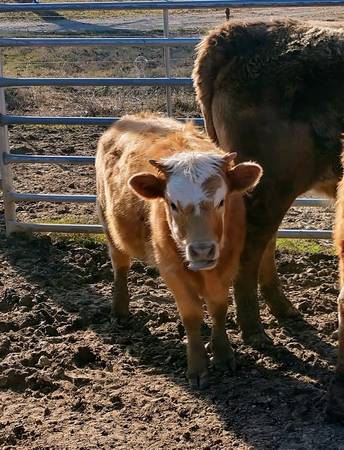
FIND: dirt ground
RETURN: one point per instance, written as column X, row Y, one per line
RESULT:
column 71, row 379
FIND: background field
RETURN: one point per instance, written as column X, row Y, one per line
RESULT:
column 72, row 380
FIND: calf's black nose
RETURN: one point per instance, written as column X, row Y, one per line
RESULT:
column 202, row 250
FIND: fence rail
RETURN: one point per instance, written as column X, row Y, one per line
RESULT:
column 6, row 119
column 158, row 5
column 7, row 159
column 22, row 82
column 98, row 42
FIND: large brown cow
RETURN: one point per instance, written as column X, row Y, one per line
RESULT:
column 168, row 196
column 273, row 92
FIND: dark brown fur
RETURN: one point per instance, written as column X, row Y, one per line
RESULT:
column 273, row 92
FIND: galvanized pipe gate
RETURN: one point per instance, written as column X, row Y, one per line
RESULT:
column 11, row 197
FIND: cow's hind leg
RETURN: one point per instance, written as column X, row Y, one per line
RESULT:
column 245, row 292
column 120, row 264
column 270, row 286
column 262, row 226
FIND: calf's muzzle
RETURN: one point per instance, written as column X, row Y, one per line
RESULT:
column 202, row 255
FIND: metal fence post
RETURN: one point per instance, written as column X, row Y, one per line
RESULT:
column 6, row 173
column 167, row 63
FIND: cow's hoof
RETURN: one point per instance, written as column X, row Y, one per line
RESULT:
column 223, row 358
column 335, row 402
column 119, row 315
column 199, row 381
column 280, row 306
column 224, row 363
column 289, row 312
column 258, row 340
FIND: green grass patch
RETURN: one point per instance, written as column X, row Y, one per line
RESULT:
column 305, row 246
column 83, row 239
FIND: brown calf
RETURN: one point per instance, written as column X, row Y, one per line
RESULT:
column 168, row 196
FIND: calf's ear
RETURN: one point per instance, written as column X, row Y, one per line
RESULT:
column 147, row 185
column 244, row 176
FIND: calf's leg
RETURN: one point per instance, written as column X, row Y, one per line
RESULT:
column 191, row 312
column 120, row 297
column 223, row 354
column 120, row 264
column 270, row 285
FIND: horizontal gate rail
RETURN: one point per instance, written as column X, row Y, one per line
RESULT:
column 54, row 228
column 98, row 42
column 53, row 198
column 78, row 198
column 158, row 5
column 49, row 159
column 311, row 202
column 86, row 228
column 85, row 6
column 21, row 82
column 304, row 234
column 6, row 119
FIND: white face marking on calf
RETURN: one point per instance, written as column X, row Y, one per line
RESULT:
column 187, row 173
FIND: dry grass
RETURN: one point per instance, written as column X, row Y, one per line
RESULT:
column 97, row 62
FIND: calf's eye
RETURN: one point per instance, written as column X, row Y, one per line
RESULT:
column 173, row 206
column 221, row 204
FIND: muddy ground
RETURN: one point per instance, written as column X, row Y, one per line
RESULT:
column 71, row 379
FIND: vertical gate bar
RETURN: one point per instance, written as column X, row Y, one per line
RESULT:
column 6, row 172
column 167, row 62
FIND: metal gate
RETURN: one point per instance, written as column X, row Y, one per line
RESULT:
column 11, row 197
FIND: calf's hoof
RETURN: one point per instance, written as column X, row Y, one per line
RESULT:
column 197, row 372
column 335, row 401
column 258, row 340
column 120, row 305
column 224, row 362
column 119, row 313
column 198, row 380
column 223, row 358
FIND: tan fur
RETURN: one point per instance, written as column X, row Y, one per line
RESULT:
column 141, row 229
column 339, row 245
